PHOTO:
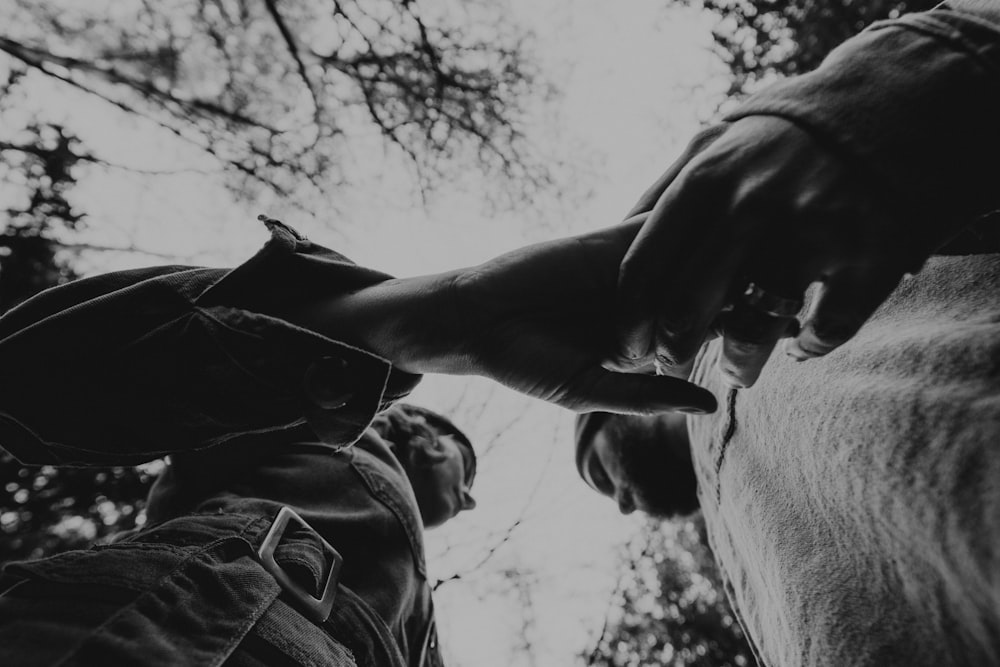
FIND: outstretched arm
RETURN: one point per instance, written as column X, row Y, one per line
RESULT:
column 535, row 319
column 125, row 367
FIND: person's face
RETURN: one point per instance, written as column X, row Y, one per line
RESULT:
column 439, row 482
column 641, row 473
column 609, row 474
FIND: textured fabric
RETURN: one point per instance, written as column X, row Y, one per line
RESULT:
column 128, row 366
column 913, row 104
column 188, row 592
column 137, row 364
column 359, row 499
column 853, row 501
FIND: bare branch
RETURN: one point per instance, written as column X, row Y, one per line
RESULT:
column 108, row 248
column 293, row 51
column 239, row 166
column 24, row 52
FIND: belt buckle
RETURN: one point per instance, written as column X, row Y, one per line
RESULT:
column 315, row 609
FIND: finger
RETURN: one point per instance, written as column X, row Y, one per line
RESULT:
column 843, row 303
column 766, row 310
column 749, row 338
column 689, row 311
column 673, row 278
column 629, row 393
column 636, row 338
column 700, row 142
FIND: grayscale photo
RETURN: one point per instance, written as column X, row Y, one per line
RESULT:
column 530, row 333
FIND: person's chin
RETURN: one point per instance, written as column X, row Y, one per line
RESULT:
column 441, row 514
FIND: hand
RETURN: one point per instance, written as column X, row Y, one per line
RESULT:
column 762, row 207
column 538, row 320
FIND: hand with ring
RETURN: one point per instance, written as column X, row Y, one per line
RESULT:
column 741, row 225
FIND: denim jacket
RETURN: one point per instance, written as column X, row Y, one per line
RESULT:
column 129, row 366
column 357, row 498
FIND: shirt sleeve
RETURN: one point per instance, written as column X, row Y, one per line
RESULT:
column 913, row 103
column 126, row 367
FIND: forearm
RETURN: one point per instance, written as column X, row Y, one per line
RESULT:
column 125, row 367
column 411, row 322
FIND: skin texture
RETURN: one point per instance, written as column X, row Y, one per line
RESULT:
column 644, row 464
column 437, row 475
column 535, row 319
column 759, row 201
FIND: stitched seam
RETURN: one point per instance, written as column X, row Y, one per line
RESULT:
column 238, row 332
column 726, row 439
column 267, row 630
column 130, row 608
column 375, row 488
column 237, row 636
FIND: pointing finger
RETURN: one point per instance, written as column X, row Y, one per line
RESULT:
column 632, row 393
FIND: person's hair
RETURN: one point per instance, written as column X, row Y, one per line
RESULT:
column 659, row 469
column 407, row 426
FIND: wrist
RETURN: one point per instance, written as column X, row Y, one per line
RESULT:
column 411, row 322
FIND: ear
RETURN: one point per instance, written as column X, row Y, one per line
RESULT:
column 427, row 455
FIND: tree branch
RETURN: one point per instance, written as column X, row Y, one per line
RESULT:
column 293, row 51
column 34, row 56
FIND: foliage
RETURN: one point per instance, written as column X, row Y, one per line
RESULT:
column 277, row 93
column 670, row 610
column 761, row 40
column 46, row 510
column 42, row 165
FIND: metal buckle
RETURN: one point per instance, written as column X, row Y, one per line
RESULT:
column 315, row 609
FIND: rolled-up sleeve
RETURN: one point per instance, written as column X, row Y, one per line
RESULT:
column 129, row 366
column 913, row 103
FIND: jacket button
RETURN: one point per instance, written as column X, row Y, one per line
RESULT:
column 327, row 383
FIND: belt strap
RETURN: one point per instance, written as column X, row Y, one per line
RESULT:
column 315, row 609
column 202, row 588
column 189, row 613
column 284, row 628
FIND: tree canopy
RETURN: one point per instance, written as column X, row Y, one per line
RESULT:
column 273, row 95
column 761, row 40
column 275, row 92
column 670, row 609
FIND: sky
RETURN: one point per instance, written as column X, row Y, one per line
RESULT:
column 536, row 561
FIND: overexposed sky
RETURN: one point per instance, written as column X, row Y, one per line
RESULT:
column 636, row 80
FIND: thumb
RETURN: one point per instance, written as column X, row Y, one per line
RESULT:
column 631, row 393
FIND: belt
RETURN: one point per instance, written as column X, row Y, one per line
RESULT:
column 315, row 609
column 217, row 572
